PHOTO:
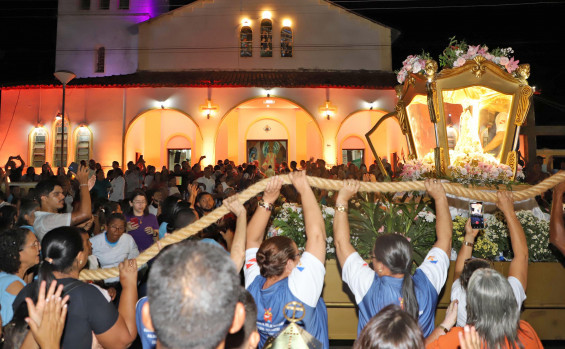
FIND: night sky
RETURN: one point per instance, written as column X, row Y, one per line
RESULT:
column 534, row 29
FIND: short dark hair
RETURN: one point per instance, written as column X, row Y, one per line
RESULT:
column 470, row 266
column 44, row 187
column 240, row 338
column 390, row 328
column 26, row 207
column 192, row 295
column 11, row 243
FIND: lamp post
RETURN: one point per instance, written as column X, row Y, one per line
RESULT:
column 64, row 77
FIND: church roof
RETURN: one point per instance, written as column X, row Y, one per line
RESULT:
column 359, row 79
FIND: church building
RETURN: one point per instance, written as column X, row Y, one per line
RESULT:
column 247, row 79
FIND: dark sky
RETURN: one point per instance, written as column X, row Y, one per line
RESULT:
column 534, row 29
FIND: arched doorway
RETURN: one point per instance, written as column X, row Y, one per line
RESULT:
column 155, row 132
column 268, row 119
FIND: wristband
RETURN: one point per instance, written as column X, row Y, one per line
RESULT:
column 266, row 205
column 444, row 328
column 467, row 243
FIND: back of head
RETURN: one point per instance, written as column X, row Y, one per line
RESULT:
column 59, row 250
column 395, row 252
column 12, row 242
column 182, row 218
column 27, row 206
column 44, row 187
column 193, row 291
column 470, row 267
column 273, row 255
column 391, row 328
column 492, row 308
column 8, row 214
column 240, row 339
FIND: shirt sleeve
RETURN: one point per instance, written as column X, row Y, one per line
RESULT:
column 102, row 315
column 456, row 290
column 307, row 279
column 251, row 268
column 358, row 276
column 518, row 290
column 435, row 267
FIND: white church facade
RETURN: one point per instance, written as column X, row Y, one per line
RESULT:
column 220, row 78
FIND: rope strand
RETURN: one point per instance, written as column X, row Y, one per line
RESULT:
column 328, row 184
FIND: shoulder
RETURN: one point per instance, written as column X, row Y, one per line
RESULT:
column 97, row 238
column 448, row 341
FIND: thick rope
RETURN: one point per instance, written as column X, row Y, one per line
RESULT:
column 328, row 184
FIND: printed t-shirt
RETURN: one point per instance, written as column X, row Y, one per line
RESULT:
column 373, row 293
column 303, row 285
column 148, row 338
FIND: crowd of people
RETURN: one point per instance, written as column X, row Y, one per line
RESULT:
column 227, row 285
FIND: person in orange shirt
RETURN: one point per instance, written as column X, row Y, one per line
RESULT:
column 492, row 309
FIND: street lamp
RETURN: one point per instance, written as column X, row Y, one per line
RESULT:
column 64, row 77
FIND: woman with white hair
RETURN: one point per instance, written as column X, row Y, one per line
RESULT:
column 492, row 309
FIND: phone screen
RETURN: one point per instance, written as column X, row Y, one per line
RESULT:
column 476, row 213
column 178, row 180
column 73, row 167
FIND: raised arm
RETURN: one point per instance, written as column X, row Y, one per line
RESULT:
column 556, row 223
column 237, row 252
column 342, row 235
column 444, row 225
column 258, row 223
column 519, row 265
column 22, row 162
column 466, row 250
column 313, row 220
column 84, row 212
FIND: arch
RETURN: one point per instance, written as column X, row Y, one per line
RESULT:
column 287, row 41
column 266, row 37
column 304, row 132
column 83, row 143
column 150, row 131
column 361, row 140
column 245, row 42
column 38, row 141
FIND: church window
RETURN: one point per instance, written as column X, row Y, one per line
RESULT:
column 38, row 146
column 246, row 42
column 85, row 4
column 104, row 4
column 266, row 38
column 61, row 136
column 286, row 42
column 100, row 59
column 123, row 5
column 83, row 141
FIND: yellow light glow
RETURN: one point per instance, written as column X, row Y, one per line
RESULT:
column 287, row 22
column 245, row 22
column 267, row 15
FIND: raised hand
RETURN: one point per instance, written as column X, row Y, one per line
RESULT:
column 273, row 190
column 232, row 203
column 299, row 180
column 350, row 188
column 469, row 338
column 128, row 272
column 505, row 201
column 434, row 188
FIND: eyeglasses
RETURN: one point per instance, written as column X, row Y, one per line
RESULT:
column 118, row 228
column 35, row 244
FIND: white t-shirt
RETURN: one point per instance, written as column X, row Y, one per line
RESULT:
column 208, row 182
column 110, row 256
column 457, row 292
column 118, row 185
column 46, row 221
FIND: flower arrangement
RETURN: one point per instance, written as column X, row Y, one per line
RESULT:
column 412, row 64
column 289, row 222
column 458, row 52
column 466, row 168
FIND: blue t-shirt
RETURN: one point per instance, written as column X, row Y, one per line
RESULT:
column 373, row 293
column 7, row 299
column 148, row 338
column 304, row 285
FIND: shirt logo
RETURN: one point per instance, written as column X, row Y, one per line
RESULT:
column 250, row 263
column 268, row 315
column 432, row 259
column 300, row 267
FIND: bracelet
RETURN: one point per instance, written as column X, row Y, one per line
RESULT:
column 467, row 243
column 443, row 328
column 341, row 208
column 266, row 205
column 84, row 185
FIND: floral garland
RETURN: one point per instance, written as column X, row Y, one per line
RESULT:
column 475, row 169
column 456, row 55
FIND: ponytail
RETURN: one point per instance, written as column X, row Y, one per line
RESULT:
column 395, row 252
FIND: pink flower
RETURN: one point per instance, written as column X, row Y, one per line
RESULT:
column 504, row 61
column 511, row 65
column 417, row 67
column 381, row 229
column 473, row 50
column 459, row 62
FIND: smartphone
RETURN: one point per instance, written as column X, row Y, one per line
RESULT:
column 73, row 167
column 476, row 214
column 134, row 220
column 178, row 180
